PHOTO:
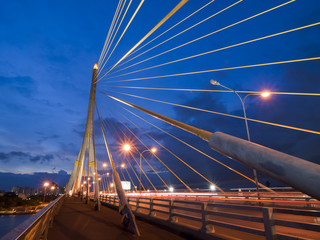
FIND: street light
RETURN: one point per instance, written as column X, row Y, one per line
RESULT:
column 104, row 165
column 123, row 165
column 212, row 187
column 153, row 150
column 171, row 189
column 126, row 147
column 46, row 184
column 264, row 94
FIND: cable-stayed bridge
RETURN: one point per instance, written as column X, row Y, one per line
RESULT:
column 159, row 148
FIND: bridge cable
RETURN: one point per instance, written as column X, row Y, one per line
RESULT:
column 219, row 30
column 194, row 148
column 111, row 27
column 168, row 168
column 111, row 34
column 131, row 152
column 220, row 49
column 109, row 123
column 125, row 13
column 221, row 69
column 212, row 90
column 137, row 149
column 211, row 16
column 220, row 113
column 173, row 11
column 124, row 31
column 173, row 154
column 167, row 31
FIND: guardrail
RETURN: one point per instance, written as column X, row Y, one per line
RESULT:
column 36, row 227
column 202, row 219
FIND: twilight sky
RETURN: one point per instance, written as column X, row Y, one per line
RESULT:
column 48, row 49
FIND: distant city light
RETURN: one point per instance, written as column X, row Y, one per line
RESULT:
column 53, row 188
column 123, row 165
column 104, row 165
column 213, row 187
column 88, row 178
column 99, row 178
column 108, row 174
column 171, row 189
column 126, row 147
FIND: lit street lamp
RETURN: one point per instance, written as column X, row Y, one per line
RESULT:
column 127, row 147
column 264, row 95
column 46, row 184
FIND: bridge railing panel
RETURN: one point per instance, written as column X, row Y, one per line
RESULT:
column 36, row 227
column 266, row 222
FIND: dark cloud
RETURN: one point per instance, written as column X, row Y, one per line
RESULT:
column 14, row 155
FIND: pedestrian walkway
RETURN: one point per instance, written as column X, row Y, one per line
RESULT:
column 77, row 220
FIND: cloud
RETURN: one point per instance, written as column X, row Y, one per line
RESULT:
column 14, row 155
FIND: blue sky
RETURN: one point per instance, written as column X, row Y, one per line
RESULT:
column 48, row 49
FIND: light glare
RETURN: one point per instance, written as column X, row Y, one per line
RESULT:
column 265, row 94
column 126, row 147
column 212, row 187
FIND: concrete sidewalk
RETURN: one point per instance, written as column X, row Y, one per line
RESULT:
column 77, row 220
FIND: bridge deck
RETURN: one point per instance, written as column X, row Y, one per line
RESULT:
column 77, row 220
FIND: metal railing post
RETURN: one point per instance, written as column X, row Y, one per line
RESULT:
column 268, row 222
column 152, row 213
column 172, row 218
column 206, row 228
column 137, row 205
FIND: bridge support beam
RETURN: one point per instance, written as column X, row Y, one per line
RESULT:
column 295, row 172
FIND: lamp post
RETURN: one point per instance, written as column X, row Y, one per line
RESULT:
column 264, row 94
column 153, row 150
column 46, row 184
column 127, row 147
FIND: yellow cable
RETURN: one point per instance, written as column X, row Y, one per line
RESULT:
column 109, row 44
column 171, row 152
column 206, row 90
column 109, row 123
column 209, row 34
column 224, row 114
column 196, row 149
column 138, row 151
column 125, row 13
column 168, row 30
column 220, row 49
column 173, row 11
column 111, row 27
column 222, row 69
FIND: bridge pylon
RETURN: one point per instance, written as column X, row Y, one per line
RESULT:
column 74, row 184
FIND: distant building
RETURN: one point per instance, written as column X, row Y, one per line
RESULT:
column 27, row 191
column 17, row 189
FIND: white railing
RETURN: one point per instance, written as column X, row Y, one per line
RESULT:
column 202, row 218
